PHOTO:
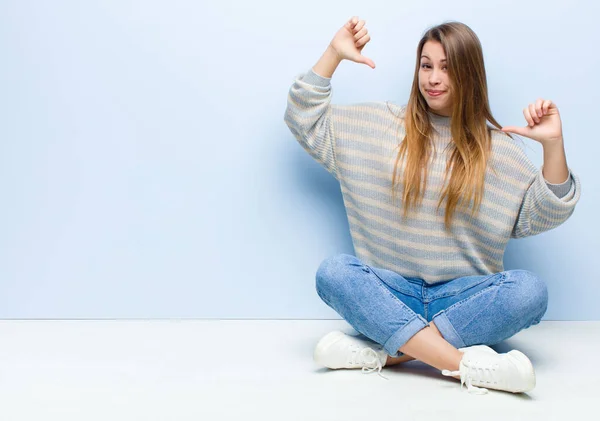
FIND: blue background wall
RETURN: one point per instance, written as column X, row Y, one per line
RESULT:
column 146, row 170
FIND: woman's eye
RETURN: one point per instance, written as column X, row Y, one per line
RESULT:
column 428, row 66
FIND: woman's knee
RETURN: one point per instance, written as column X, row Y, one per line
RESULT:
column 531, row 298
column 333, row 271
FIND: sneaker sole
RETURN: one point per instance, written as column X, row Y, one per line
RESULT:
column 324, row 343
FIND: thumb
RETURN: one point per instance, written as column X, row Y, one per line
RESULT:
column 365, row 60
column 521, row 131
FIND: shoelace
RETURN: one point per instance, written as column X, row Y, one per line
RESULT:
column 478, row 374
column 373, row 364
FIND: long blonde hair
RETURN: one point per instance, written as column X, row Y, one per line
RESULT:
column 471, row 146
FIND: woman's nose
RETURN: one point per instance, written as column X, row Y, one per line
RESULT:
column 434, row 79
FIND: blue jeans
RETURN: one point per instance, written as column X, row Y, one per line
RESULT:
column 389, row 308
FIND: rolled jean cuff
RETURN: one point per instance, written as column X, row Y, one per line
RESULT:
column 403, row 334
column 447, row 330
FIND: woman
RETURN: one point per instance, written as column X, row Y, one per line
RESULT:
column 433, row 194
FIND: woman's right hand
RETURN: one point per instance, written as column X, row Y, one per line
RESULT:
column 350, row 40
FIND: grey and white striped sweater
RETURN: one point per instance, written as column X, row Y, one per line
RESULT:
column 358, row 143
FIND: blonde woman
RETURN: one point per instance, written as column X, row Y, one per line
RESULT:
column 433, row 193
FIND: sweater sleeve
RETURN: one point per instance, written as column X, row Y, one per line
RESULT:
column 543, row 208
column 309, row 117
column 561, row 190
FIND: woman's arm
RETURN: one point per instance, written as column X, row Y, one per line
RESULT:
column 541, row 210
column 328, row 63
column 555, row 163
column 309, row 113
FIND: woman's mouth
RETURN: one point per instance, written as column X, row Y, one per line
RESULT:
column 435, row 93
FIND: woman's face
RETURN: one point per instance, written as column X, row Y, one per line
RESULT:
column 434, row 82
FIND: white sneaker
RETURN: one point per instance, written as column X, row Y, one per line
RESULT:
column 511, row 372
column 478, row 347
column 339, row 350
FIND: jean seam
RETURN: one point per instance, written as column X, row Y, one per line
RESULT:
column 442, row 314
column 381, row 280
column 477, row 293
column 464, row 289
column 379, row 285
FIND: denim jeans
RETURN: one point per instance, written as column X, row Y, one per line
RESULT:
column 390, row 309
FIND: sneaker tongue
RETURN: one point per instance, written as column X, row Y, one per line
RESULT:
column 365, row 352
column 367, row 356
column 482, row 364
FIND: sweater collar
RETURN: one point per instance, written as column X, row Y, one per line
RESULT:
column 439, row 120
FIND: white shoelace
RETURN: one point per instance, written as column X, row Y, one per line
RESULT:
column 371, row 364
column 478, row 374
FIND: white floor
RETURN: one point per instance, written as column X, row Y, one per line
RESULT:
column 263, row 370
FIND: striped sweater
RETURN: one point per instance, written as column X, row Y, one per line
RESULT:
column 358, row 143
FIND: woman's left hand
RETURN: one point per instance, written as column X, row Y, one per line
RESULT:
column 544, row 123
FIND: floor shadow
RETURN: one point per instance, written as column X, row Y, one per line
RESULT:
column 535, row 355
column 418, row 368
